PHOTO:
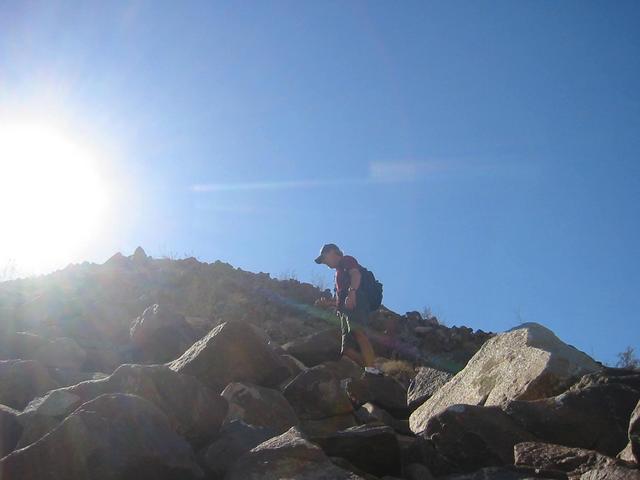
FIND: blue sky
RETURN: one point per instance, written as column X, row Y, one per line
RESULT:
column 480, row 157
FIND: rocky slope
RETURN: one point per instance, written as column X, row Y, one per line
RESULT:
column 178, row 369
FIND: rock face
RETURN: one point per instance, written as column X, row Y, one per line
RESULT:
column 289, row 455
column 193, row 410
column 232, row 352
column 10, row 430
column 64, row 353
column 259, row 406
column 547, row 456
column 526, row 363
column 113, row 436
column 23, row 380
column 316, row 348
column 595, row 418
column 373, row 449
column 316, row 394
column 160, row 335
column 469, row 437
column 427, row 382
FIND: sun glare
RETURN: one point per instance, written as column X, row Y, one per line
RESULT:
column 52, row 197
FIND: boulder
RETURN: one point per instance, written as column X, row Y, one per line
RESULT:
column 469, row 437
column 612, row 473
column 45, row 413
column 526, row 363
column 316, row 348
column 344, row 368
column 289, row 455
column 23, row 380
column 259, row 406
column 20, row 345
column 10, row 430
column 427, row 382
column 594, row 418
column 160, row 335
column 572, row 461
column 381, row 390
column 194, row 411
column 370, row 413
column 113, row 436
column 316, row 394
column 327, row 425
column 232, row 352
column 632, row 451
column 235, row 439
column 64, row 353
column 504, row 473
column 371, row 448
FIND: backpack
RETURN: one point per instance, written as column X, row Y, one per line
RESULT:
column 371, row 287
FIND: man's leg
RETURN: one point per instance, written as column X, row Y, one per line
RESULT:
column 349, row 342
column 366, row 349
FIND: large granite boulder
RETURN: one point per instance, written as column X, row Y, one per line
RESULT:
column 232, row 352
column 381, row 390
column 427, row 382
column 259, row 406
column 613, row 472
column 160, row 335
column 594, row 418
column 631, row 453
column 316, row 348
column 373, row 449
column 23, row 380
column 113, row 436
column 526, row 363
column 469, row 437
column 10, row 430
column 571, row 461
column 316, row 394
column 289, row 455
column 194, row 411
column 236, row 438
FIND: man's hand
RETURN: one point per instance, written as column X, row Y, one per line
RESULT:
column 350, row 301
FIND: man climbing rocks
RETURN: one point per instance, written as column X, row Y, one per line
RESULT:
column 353, row 303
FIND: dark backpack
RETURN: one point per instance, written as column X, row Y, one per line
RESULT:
column 371, row 287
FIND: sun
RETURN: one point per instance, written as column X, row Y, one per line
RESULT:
column 53, row 198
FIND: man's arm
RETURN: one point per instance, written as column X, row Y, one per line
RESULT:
column 355, row 276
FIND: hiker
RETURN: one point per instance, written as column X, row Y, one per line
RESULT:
column 357, row 293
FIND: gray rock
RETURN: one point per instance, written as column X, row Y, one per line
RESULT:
column 632, row 451
column 235, row 439
column 526, row 363
column 232, row 352
column 259, row 406
column 10, row 430
column 611, row 473
column 427, row 382
column 371, row 448
column 470, row 437
column 289, row 455
column 316, row 394
column 547, row 456
column 160, row 335
column 194, row 411
column 594, row 418
column 113, row 436
column 316, row 348
column 23, row 380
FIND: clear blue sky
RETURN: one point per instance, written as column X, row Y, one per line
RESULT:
column 482, row 158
